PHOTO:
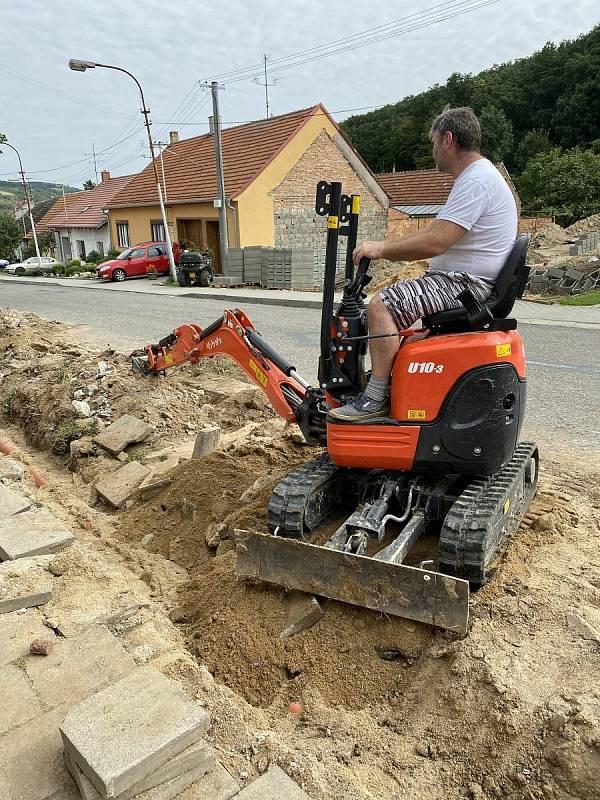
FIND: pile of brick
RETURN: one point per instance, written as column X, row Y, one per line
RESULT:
column 276, row 268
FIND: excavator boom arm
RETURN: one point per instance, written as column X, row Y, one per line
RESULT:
column 233, row 335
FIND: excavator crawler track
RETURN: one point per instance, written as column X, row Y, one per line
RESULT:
column 485, row 513
column 304, row 498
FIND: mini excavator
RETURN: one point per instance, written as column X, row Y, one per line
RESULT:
column 446, row 462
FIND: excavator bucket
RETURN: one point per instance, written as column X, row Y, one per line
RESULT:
column 391, row 588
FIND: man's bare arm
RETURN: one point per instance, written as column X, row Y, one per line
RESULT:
column 433, row 241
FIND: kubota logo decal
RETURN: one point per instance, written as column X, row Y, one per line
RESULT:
column 425, row 366
column 260, row 375
column 212, row 343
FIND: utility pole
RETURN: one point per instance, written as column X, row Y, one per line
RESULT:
column 28, row 199
column 161, row 145
column 214, row 89
column 266, row 84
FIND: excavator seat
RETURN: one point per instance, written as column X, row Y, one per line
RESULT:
column 492, row 314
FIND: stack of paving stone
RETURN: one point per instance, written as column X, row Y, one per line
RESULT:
column 253, row 258
column 142, row 738
column 560, row 280
column 586, row 242
column 286, row 268
column 235, row 265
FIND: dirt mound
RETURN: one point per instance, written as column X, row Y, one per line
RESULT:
column 550, row 235
column 584, row 225
column 387, row 272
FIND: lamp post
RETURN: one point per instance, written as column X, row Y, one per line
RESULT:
column 27, row 198
column 80, row 66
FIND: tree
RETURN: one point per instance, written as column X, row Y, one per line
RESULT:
column 565, row 184
column 89, row 184
column 10, row 235
column 534, row 142
column 496, row 133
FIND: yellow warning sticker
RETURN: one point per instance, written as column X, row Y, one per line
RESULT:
column 416, row 413
column 506, row 505
column 260, row 375
column 356, row 204
column 168, row 358
column 333, row 221
column 503, row 350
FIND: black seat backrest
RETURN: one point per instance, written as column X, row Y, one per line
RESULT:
column 509, row 285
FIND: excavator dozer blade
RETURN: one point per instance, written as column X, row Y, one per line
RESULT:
column 395, row 589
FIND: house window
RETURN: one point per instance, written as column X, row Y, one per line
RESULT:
column 81, row 248
column 123, row 234
column 100, row 248
column 158, row 231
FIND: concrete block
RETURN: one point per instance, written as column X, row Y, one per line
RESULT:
column 216, row 785
column 24, row 583
column 17, row 631
column 118, row 487
column 11, row 469
column 303, row 611
column 273, row 785
column 78, row 667
column 31, row 760
column 12, row 502
column 18, row 703
column 154, row 487
column 126, row 732
column 207, row 440
column 223, row 280
column 32, row 533
column 126, row 430
column 170, row 780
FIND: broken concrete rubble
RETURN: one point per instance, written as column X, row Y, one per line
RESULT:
column 207, row 440
column 24, row 583
column 32, row 533
column 126, row 732
column 275, row 784
column 12, row 502
column 303, row 611
column 11, row 470
column 118, row 487
column 126, row 430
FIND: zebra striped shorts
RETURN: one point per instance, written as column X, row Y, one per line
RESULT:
column 408, row 301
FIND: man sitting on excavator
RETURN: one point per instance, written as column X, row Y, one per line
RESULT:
column 466, row 245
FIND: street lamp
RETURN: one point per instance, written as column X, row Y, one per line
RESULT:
column 27, row 198
column 79, row 65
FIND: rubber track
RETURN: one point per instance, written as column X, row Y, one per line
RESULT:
column 291, row 495
column 475, row 526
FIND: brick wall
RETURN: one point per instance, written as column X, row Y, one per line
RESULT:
column 296, row 223
column 533, row 224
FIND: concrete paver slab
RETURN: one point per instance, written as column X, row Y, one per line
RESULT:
column 207, row 440
column 78, row 667
column 24, row 583
column 32, row 533
column 303, row 611
column 216, row 785
column 12, row 502
column 11, row 469
column 126, row 430
column 119, row 486
column 18, row 702
column 273, row 785
column 124, row 733
column 31, row 760
column 17, row 631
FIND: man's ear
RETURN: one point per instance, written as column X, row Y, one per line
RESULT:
column 448, row 139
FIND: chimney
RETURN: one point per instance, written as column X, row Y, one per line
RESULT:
column 174, row 136
column 105, row 175
column 211, row 124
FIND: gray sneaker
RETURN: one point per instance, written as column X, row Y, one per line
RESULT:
column 360, row 408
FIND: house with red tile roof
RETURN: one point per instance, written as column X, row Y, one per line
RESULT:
column 80, row 220
column 271, row 169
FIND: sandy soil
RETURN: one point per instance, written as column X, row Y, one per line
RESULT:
column 390, row 709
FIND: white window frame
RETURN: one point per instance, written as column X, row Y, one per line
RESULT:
column 123, row 239
column 157, row 226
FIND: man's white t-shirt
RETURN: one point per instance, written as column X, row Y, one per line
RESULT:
column 482, row 204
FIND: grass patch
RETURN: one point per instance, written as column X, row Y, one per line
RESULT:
column 71, row 429
column 136, row 452
column 587, row 299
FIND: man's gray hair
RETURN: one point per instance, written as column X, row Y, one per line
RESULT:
column 462, row 124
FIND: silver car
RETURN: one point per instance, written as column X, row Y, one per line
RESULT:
column 30, row 266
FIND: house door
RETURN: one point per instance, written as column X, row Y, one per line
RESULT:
column 66, row 249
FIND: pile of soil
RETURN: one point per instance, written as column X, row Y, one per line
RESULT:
column 387, row 272
column 550, row 235
column 584, row 225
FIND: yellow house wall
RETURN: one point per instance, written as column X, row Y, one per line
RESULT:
column 255, row 204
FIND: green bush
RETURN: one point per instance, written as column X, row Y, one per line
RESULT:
column 73, row 270
column 94, row 257
column 58, row 269
column 74, row 262
column 112, row 253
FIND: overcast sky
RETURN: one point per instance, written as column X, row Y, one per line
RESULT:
column 54, row 116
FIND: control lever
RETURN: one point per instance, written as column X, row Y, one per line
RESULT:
column 361, row 279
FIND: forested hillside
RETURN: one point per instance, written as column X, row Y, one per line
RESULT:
column 533, row 111
column 11, row 192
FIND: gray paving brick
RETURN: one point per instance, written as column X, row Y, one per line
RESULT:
column 78, row 667
column 18, row 703
column 273, row 785
column 216, row 785
column 32, row 533
column 24, row 583
column 126, row 430
column 12, row 502
column 31, row 762
column 17, row 631
column 124, row 733
column 119, row 486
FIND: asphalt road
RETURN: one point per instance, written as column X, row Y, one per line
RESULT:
column 563, row 402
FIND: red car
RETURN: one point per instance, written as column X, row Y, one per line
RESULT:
column 138, row 260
